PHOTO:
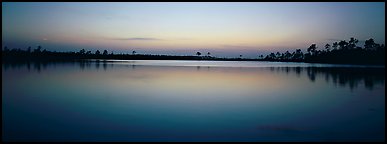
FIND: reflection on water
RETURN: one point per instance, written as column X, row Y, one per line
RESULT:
column 133, row 101
column 344, row 76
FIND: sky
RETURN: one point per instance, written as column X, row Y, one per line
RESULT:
column 223, row 29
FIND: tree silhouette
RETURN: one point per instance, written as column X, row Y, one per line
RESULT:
column 343, row 45
column 335, row 45
column 312, row 49
column 82, row 51
column 272, row 56
column 97, row 52
column 369, row 44
column 38, row 50
column 327, row 47
column 352, row 43
column 287, row 55
column 342, row 52
column 298, row 55
column 278, row 55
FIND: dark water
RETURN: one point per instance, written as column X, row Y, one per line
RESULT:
column 192, row 101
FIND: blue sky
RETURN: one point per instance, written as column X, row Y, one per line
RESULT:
column 224, row 29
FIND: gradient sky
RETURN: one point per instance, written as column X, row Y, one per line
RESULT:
column 224, row 29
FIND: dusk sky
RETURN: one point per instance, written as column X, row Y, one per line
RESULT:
column 224, row 29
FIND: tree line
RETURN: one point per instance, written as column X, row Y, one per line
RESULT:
column 348, row 52
column 342, row 52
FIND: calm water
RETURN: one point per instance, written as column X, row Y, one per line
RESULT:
column 192, row 101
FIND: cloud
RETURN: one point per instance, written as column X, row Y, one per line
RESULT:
column 137, row 39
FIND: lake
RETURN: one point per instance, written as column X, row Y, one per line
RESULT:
column 154, row 100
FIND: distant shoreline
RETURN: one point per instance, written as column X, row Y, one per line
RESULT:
column 43, row 60
column 339, row 53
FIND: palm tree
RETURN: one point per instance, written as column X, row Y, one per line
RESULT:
column 369, row 44
column 82, row 51
column 97, row 52
column 287, row 55
column 208, row 54
column 278, row 55
column 272, row 56
column 298, row 55
column 335, row 45
column 352, row 43
column 312, row 49
column 134, row 52
column 327, row 47
column 343, row 44
column 198, row 53
column 105, row 52
column 38, row 50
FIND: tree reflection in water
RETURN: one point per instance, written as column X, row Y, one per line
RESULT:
column 342, row 76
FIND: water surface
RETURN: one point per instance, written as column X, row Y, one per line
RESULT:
column 192, row 101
